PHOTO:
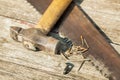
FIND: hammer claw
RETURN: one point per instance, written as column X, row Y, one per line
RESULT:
column 14, row 31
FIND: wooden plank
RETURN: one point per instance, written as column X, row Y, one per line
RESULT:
column 19, row 9
column 21, row 59
column 18, row 63
column 12, row 71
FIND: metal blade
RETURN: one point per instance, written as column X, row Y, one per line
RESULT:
column 78, row 23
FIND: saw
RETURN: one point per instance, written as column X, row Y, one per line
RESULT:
column 78, row 30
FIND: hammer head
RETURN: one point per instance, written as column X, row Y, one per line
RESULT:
column 34, row 39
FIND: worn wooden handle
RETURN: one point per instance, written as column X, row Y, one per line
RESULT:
column 52, row 14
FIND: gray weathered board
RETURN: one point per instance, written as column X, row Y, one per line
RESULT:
column 18, row 63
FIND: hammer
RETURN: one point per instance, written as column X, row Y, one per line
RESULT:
column 36, row 38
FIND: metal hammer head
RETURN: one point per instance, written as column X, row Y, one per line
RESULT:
column 34, row 39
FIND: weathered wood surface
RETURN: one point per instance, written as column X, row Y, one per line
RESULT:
column 106, row 14
column 18, row 63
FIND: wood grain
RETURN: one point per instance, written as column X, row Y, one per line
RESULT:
column 25, row 58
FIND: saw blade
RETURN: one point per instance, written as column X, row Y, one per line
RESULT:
column 78, row 23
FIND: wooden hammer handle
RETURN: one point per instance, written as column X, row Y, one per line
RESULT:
column 52, row 14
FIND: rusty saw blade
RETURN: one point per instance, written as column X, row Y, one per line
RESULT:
column 102, row 54
column 74, row 23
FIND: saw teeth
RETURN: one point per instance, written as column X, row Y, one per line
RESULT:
column 31, row 6
column 105, row 72
column 100, row 67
